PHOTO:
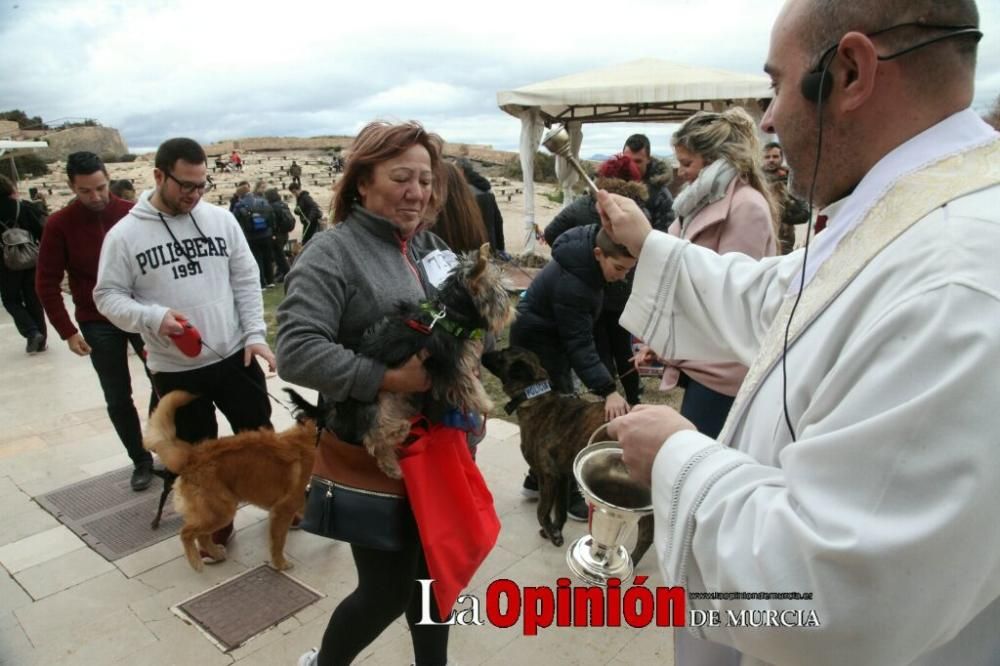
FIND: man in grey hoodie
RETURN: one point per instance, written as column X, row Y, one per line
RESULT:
column 173, row 258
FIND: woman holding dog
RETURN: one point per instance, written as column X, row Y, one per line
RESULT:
column 344, row 281
column 726, row 206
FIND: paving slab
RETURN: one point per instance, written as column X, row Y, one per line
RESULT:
column 38, row 548
column 109, row 516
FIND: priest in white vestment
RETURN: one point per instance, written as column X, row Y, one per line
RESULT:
column 872, row 480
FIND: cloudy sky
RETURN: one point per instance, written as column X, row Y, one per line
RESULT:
column 215, row 69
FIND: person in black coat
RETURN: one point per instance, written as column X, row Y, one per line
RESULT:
column 308, row 211
column 488, row 207
column 617, row 175
column 556, row 315
column 656, row 176
column 17, row 287
column 555, row 319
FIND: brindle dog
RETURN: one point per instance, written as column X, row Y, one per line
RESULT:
column 554, row 428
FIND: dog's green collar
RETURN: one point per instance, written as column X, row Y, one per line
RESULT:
column 440, row 318
column 533, row 391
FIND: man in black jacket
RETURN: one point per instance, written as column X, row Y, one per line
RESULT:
column 308, row 211
column 656, row 174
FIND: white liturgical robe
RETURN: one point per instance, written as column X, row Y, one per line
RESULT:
column 885, row 507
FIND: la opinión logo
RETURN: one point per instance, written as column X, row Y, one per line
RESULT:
column 568, row 605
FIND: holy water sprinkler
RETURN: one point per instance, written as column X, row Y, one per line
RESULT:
column 557, row 142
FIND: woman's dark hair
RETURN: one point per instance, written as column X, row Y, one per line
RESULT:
column 460, row 223
column 272, row 195
column 7, row 187
column 379, row 141
column 180, row 148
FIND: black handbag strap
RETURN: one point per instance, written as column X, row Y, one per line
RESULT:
column 17, row 214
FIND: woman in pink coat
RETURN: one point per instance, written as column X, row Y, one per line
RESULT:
column 725, row 206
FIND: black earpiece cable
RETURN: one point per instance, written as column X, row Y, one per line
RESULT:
column 805, row 254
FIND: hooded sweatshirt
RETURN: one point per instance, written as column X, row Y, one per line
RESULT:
column 198, row 264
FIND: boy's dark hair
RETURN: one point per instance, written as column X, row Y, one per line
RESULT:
column 32, row 192
column 272, row 195
column 294, row 187
column 773, row 144
column 180, row 148
column 609, row 248
column 119, row 187
column 83, row 163
column 637, row 143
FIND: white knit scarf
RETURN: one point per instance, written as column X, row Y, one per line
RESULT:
column 710, row 186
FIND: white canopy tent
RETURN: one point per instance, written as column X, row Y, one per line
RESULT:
column 638, row 91
column 10, row 149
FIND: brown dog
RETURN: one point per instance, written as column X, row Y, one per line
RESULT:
column 262, row 467
column 554, row 428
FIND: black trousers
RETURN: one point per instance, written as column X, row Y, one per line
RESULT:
column 278, row 250
column 387, row 588
column 262, row 251
column 614, row 345
column 240, row 393
column 705, row 408
column 17, row 292
column 109, row 356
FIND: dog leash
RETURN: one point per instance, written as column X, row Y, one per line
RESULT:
column 264, row 390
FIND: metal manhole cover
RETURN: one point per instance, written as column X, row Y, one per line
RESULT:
column 109, row 516
column 235, row 611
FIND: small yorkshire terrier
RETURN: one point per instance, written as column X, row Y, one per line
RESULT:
column 449, row 330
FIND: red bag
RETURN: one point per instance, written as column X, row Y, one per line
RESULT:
column 452, row 506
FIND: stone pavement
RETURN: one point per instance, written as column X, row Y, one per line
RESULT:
column 63, row 604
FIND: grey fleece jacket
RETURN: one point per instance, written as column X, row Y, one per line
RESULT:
column 344, row 281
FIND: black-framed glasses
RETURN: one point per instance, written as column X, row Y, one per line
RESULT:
column 186, row 187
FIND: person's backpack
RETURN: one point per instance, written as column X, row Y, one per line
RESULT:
column 260, row 216
column 284, row 221
column 254, row 216
column 20, row 250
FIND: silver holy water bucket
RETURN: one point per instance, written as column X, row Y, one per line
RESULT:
column 616, row 504
column 557, row 142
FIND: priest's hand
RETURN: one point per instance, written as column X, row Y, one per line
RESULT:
column 623, row 220
column 642, row 433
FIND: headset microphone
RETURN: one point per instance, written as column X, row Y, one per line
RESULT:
column 817, row 85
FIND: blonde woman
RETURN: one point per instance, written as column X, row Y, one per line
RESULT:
column 726, row 206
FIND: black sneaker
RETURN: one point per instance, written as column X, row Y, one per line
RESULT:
column 142, row 477
column 529, row 488
column 578, row 509
column 36, row 343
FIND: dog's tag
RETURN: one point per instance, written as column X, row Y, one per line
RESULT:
column 536, row 390
column 438, row 265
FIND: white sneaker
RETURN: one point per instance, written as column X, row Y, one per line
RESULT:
column 309, row 658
